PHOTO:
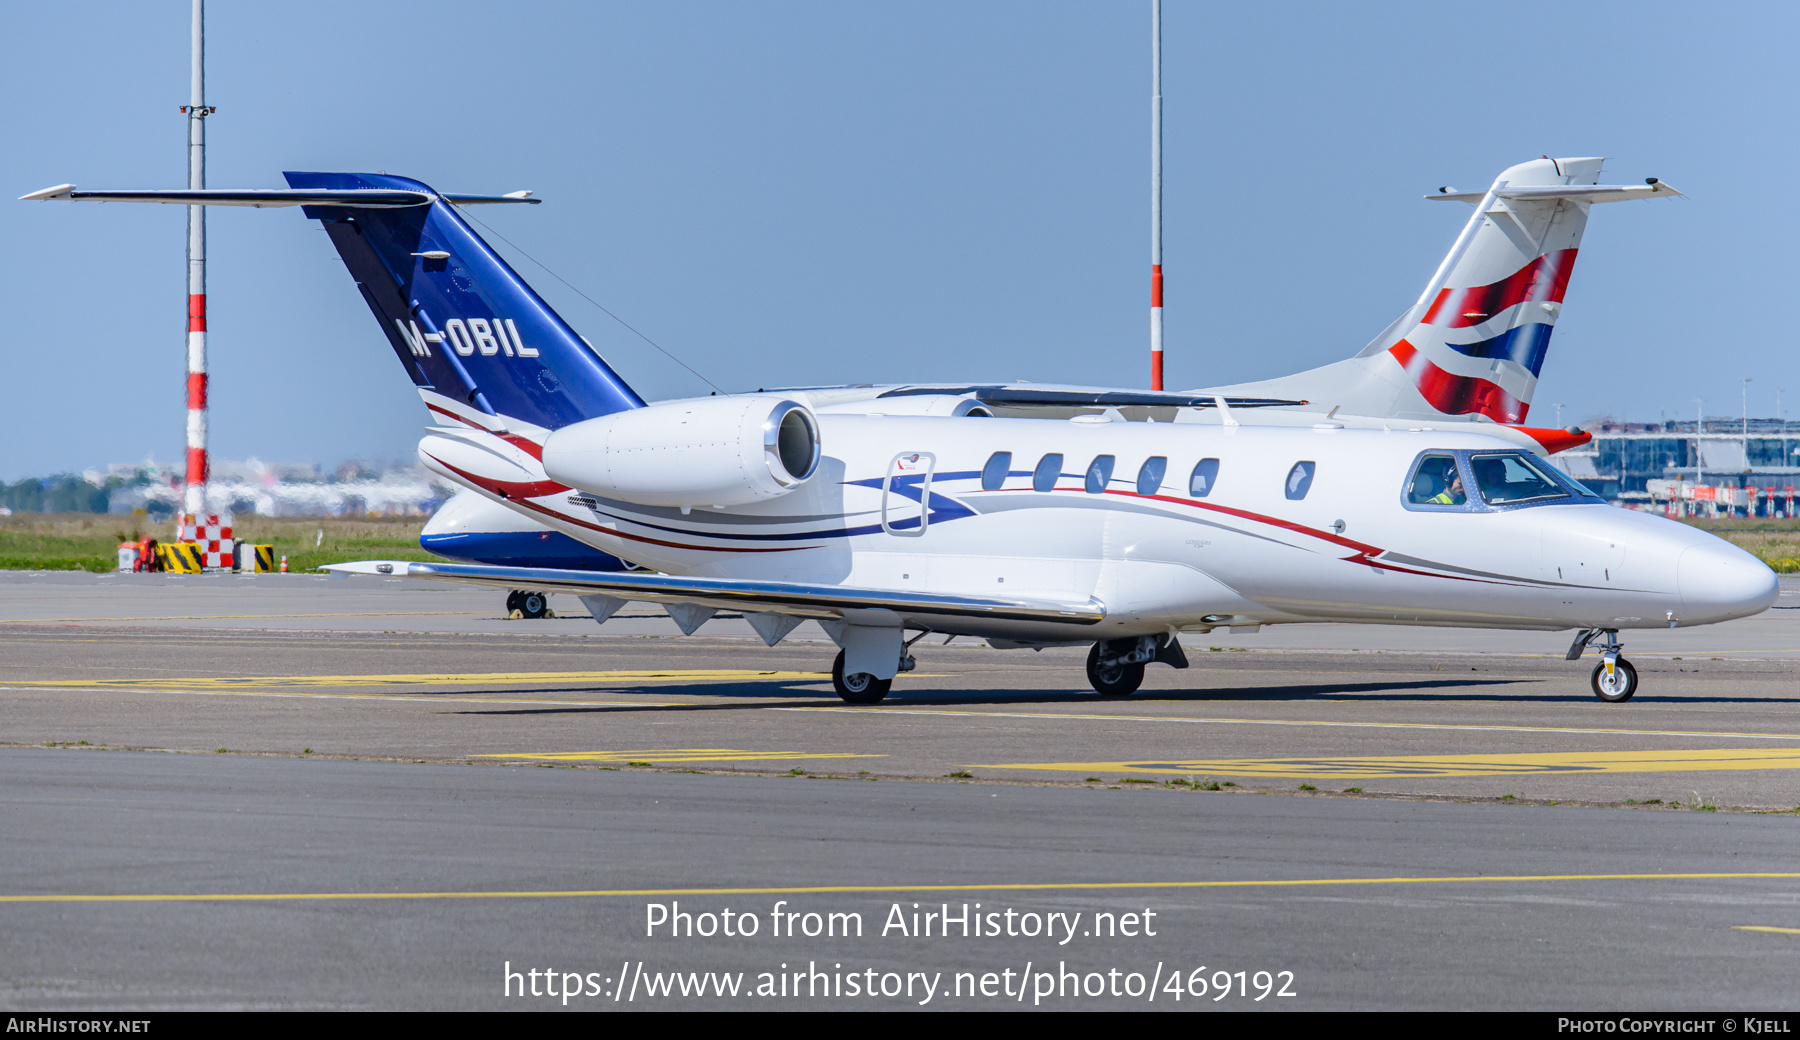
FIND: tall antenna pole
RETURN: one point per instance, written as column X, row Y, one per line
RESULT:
column 1156, row 272
column 197, row 112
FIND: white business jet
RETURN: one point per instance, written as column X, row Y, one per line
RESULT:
column 1027, row 532
column 1469, row 350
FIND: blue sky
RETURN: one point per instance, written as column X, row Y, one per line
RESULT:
column 794, row 193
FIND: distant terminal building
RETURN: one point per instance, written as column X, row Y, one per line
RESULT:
column 1724, row 466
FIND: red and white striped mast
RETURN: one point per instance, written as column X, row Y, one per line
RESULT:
column 196, row 111
column 1156, row 271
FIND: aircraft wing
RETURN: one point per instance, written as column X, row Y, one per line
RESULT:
column 828, row 602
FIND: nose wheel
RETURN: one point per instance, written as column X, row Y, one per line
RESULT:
column 1615, row 680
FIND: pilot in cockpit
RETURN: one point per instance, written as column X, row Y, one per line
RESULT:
column 1437, row 482
column 1452, row 495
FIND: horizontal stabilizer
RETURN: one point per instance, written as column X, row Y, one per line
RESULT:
column 829, row 602
column 261, row 198
column 1578, row 192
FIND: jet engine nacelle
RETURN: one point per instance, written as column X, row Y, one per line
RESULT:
column 710, row 451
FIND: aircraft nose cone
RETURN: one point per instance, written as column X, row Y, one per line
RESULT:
column 1721, row 581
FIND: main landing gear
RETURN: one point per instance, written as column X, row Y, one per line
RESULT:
column 1115, row 667
column 532, row 605
column 864, row 688
column 1614, row 679
column 858, row 687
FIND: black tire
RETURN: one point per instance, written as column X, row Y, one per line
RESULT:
column 533, row 604
column 1622, row 685
column 858, row 687
column 1120, row 680
column 512, row 601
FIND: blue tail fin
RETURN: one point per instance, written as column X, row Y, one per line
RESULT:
column 462, row 321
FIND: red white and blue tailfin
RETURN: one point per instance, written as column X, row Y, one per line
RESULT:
column 1472, row 346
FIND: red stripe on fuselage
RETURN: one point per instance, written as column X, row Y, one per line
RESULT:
column 516, row 492
column 1365, row 553
column 525, row 444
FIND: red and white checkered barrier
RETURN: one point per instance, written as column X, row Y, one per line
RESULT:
column 213, row 536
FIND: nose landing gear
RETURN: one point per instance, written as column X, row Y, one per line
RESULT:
column 1614, row 679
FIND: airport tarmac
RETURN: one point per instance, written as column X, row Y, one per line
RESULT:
column 350, row 714
column 407, row 670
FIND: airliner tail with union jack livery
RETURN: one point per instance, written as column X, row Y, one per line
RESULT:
column 1473, row 344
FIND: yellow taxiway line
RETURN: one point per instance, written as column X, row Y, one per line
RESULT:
column 278, row 682
column 1764, row 928
column 241, row 617
column 440, row 699
column 1065, row 886
column 1411, row 766
column 1084, row 717
column 292, row 685
column 676, row 755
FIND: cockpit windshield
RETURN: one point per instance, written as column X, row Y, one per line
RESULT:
column 1510, row 479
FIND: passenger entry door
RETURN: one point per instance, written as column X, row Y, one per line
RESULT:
column 907, row 473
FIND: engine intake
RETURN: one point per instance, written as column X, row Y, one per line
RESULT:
column 711, row 451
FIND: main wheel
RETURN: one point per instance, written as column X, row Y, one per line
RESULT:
column 534, row 604
column 1113, row 680
column 858, row 687
column 1617, row 687
column 512, row 601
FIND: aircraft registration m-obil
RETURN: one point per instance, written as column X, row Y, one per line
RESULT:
column 1417, row 497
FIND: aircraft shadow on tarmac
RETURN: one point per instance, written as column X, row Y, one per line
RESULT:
column 792, row 694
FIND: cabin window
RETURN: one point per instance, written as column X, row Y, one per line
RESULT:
column 1201, row 481
column 1150, row 475
column 1048, row 469
column 1099, row 473
column 1436, row 482
column 993, row 475
column 1506, row 480
column 1299, row 480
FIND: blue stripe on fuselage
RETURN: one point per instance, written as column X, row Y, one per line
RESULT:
column 943, row 508
column 521, row 549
